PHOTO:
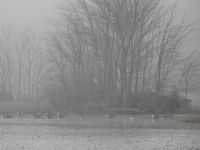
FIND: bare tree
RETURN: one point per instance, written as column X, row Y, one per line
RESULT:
column 117, row 48
column 6, row 61
column 189, row 72
column 170, row 37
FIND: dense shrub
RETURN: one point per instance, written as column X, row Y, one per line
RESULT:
column 24, row 106
column 6, row 96
column 159, row 104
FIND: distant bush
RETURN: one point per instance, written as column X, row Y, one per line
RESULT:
column 193, row 118
column 153, row 103
column 6, row 96
column 185, row 105
column 24, row 106
column 57, row 99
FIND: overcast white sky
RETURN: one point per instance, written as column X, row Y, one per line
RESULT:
column 26, row 13
column 35, row 14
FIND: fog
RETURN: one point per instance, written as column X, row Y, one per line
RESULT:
column 99, row 74
column 36, row 14
column 27, row 13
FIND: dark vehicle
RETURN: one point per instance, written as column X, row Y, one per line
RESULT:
column 49, row 115
column 111, row 112
column 37, row 115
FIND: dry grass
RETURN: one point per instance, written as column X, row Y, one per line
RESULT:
column 100, row 121
column 192, row 118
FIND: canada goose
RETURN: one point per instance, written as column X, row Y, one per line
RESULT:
column 60, row 115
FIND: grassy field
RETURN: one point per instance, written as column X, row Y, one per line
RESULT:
column 54, row 137
column 95, row 132
column 120, row 121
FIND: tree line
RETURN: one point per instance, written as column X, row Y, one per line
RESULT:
column 22, row 65
column 109, row 51
column 104, row 52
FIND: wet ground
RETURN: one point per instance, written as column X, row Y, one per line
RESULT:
column 58, row 135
